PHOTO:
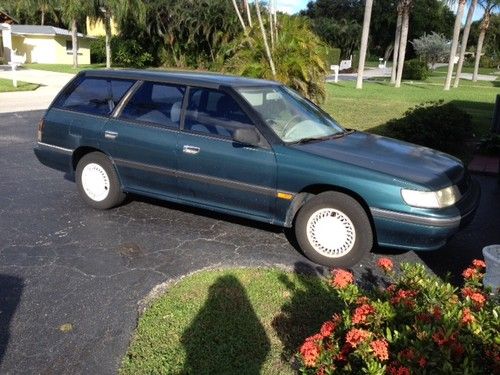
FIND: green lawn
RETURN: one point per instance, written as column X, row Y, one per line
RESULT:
column 63, row 68
column 470, row 69
column 242, row 321
column 378, row 101
column 6, row 86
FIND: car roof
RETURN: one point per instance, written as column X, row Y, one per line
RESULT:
column 180, row 77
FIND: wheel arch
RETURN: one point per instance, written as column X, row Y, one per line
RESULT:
column 81, row 151
column 312, row 190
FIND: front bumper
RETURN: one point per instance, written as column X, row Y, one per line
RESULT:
column 419, row 232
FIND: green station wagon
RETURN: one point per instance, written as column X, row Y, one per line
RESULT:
column 255, row 149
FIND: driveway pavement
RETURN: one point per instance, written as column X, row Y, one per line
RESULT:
column 71, row 277
column 51, row 83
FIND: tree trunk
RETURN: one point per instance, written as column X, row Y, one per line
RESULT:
column 74, row 41
column 264, row 37
column 405, row 22
column 465, row 38
column 484, row 26
column 42, row 21
column 364, row 43
column 271, row 28
column 107, row 26
column 397, row 41
column 454, row 43
column 249, row 15
column 240, row 17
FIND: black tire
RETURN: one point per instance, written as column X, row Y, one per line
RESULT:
column 339, row 209
column 112, row 194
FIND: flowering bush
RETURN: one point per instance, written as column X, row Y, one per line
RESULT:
column 417, row 324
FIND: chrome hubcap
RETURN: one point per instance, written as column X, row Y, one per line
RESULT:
column 95, row 182
column 331, row 233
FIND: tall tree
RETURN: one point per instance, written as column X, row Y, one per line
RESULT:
column 465, row 39
column 364, row 43
column 489, row 6
column 403, row 41
column 264, row 37
column 249, row 14
column 397, row 39
column 72, row 10
column 454, row 43
column 117, row 11
column 238, row 13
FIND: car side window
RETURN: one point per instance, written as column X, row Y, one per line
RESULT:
column 94, row 95
column 214, row 112
column 155, row 103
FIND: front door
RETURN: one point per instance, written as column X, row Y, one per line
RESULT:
column 214, row 170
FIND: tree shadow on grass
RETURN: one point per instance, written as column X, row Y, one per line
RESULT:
column 226, row 337
column 11, row 288
column 310, row 304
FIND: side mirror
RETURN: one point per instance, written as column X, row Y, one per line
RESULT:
column 246, row 136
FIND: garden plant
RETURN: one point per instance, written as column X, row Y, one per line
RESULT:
column 415, row 324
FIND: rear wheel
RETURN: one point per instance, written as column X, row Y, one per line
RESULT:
column 98, row 182
column 333, row 230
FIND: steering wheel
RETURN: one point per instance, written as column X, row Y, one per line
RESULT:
column 290, row 125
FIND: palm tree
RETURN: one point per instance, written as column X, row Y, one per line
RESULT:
column 249, row 15
column 117, row 10
column 489, row 6
column 397, row 39
column 405, row 22
column 238, row 13
column 264, row 37
column 454, row 42
column 72, row 10
column 465, row 38
column 364, row 42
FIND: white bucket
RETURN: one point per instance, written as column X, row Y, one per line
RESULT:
column 492, row 258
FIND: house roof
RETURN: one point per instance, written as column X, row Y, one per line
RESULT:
column 41, row 30
column 5, row 18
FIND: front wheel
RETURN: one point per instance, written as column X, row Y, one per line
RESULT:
column 333, row 229
column 98, row 182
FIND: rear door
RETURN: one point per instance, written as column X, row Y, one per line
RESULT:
column 142, row 138
column 214, row 170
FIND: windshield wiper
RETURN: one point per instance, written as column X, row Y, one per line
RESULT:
column 323, row 138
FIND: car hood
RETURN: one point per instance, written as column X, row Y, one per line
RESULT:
column 416, row 164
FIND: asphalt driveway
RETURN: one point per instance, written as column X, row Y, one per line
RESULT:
column 71, row 277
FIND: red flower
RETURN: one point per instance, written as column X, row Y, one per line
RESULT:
column 437, row 313
column 439, row 338
column 396, row 369
column 405, row 297
column 469, row 273
column 391, row 288
column 422, row 362
column 341, row 278
column 327, row 328
column 467, row 316
column 362, row 300
column 380, row 349
column 457, row 349
column 467, row 292
column 385, row 264
column 310, row 352
column 407, row 354
column 478, row 298
column 361, row 313
column 355, row 336
column 478, row 263
column 342, row 356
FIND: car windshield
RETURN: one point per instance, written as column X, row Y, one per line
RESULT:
column 293, row 118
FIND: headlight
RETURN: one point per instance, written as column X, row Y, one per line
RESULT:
column 431, row 199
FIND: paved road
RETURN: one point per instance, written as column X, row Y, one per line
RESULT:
column 62, row 262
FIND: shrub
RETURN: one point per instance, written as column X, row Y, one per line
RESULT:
column 417, row 324
column 433, row 48
column 444, row 127
column 415, row 70
column 130, row 53
column 332, row 56
column 98, row 50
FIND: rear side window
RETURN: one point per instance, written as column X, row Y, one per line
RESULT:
column 93, row 95
column 155, row 103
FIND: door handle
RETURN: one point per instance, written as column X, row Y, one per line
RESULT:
column 110, row 135
column 192, row 150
